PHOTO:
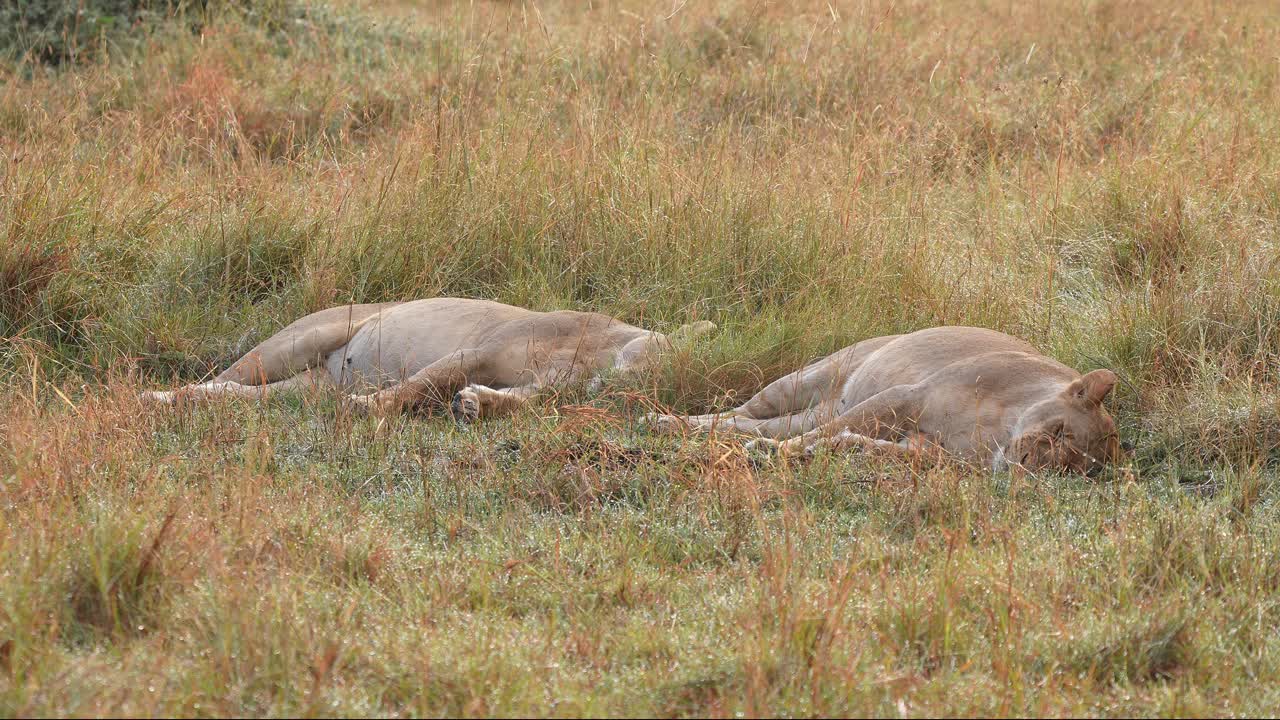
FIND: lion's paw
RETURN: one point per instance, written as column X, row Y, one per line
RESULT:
column 158, row 397
column 664, row 424
column 370, row 404
column 763, row 447
column 465, row 406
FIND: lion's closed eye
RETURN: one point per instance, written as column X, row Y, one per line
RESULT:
column 1058, row 430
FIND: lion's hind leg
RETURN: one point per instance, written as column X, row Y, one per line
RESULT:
column 302, row 345
column 228, row 389
column 791, row 405
column 291, row 357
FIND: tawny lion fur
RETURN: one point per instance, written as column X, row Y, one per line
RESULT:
column 979, row 394
column 490, row 358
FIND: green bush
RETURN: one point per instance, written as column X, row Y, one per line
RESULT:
column 54, row 32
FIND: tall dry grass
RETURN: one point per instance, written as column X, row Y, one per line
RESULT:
column 1096, row 177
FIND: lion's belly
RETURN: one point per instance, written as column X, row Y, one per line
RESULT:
column 375, row 358
column 409, row 337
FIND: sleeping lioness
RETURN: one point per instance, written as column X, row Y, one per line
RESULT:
column 978, row 394
column 488, row 357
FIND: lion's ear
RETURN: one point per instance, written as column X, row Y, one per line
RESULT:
column 692, row 330
column 1093, row 387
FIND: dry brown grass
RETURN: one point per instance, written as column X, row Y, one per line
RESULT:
column 1099, row 178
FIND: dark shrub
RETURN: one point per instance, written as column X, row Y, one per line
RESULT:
column 53, row 32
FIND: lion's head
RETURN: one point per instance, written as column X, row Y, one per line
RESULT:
column 1069, row 431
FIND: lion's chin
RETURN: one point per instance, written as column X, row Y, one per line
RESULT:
column 998, row 461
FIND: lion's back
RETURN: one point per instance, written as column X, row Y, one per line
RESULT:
column 914, row 357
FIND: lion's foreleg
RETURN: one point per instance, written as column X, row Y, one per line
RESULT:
column 847, row 441
column 784, row 426
column 436, row 383
column 479, row 401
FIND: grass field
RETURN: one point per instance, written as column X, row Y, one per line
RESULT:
column 1099, row 177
